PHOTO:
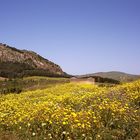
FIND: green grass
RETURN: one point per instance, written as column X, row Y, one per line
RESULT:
column 29, row 83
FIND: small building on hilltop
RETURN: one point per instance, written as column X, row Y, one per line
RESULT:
column 89, row 80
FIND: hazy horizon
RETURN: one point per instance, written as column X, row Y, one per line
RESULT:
column 82, row 36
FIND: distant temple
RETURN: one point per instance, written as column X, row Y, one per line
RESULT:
column 83, row 80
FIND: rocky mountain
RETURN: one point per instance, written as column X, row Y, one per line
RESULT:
column 116, row 75
column 15, row 62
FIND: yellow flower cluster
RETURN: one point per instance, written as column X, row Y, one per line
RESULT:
column 73, row 111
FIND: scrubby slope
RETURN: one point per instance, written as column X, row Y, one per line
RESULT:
column 16, row 63
column 116, row 75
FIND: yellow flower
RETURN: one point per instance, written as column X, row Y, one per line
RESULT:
column 64, row 123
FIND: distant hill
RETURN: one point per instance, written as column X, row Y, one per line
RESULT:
column 119, row 76
column 19, row 63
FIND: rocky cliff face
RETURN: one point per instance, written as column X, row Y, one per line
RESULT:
column 12, row 56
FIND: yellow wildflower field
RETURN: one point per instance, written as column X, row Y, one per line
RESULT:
column 73, row 112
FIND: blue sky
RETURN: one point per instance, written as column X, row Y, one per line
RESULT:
column 82, row 36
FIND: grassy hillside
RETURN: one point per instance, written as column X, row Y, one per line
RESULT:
column 28, row 83
column 72, row 112
column 119, row 76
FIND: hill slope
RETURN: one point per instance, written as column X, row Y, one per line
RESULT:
column 15, row 62
column 119, row 76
